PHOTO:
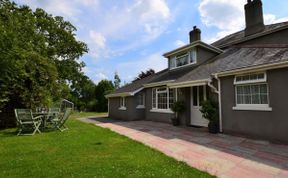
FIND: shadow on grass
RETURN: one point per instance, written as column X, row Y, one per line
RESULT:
column 8, row 132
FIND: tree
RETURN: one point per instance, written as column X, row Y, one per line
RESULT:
column 144, row 74
column 39, row 57
column 103, row 88
column 117, row 81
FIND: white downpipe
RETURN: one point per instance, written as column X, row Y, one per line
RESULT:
column 220, row 103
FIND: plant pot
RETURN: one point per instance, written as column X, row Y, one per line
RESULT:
column 213, row 127
column 175, row 121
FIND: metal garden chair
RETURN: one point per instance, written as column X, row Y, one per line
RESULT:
column 53, row 114
column 26, row 121
column 59, row 122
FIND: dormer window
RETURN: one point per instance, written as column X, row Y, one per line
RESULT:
column 183, row 59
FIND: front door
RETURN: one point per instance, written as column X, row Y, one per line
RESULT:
column 198, row 95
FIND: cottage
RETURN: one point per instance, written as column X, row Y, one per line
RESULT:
column 247, row 72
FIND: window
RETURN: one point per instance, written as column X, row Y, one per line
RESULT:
column 140, row 100
column 193, row 56
column 252, row 91
column 252, row 94
column 122, row 103
column 184, row 59
column 199, row 95
column 252, row 78
column 162, row 98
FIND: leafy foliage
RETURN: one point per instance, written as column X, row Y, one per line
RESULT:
column 117, row 81
column 103, row 88
column 144, row 74
column 178, row 107
column 210, row 110
column 39, row 57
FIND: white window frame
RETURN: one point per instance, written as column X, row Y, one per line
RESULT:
column 250, row 81
column 156, row 109
column 251, row 107
column 188, row 53
column 141, row 106
column 122, row 103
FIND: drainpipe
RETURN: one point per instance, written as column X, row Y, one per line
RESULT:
column 220, row 102
column 219, row 98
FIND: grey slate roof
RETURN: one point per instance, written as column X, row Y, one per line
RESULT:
column 241, row 35
column 171, row 74
column 237, row 58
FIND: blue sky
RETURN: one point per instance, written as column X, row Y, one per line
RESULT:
column 129, row 36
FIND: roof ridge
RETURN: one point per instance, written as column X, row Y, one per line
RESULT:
column 230, row 40
column 261, row 46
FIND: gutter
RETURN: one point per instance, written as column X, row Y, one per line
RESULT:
column 124, row 94
column 188, row 84
column 156, row 84
column 191, row 45
column 257, row 68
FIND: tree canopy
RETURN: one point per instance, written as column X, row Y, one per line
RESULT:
column 144, row 74
column 39, row 57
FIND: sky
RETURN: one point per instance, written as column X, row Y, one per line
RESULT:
column 130, row 36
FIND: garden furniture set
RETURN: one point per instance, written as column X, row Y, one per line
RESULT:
column 30, row 122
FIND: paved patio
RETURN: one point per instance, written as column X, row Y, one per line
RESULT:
column 221, row 155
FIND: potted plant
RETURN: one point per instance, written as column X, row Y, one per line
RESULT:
column 210, row 112
column 178, row 107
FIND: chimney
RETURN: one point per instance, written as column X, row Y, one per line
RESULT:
column 195, row 34
column 254, row 17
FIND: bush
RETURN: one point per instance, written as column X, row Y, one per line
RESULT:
column 210, row 110
column 178, row 107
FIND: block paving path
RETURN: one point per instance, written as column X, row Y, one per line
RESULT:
column 221, row 155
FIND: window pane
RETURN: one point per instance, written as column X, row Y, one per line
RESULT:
column 240, row 99
column 154, row 98
column 140, row 99
column 182, row 60
column 193, row 55
column 162, row 100
column 172, row 62
column 171, row 97
column 264, row 99
column 263, row 88
column 261, row 76
column 255, row 99
column 253, row 77
column 162, row 89
column 252, row 94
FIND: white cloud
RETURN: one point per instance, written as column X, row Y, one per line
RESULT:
column 96, row 74
column 271, row 19
column 132, row 25
column 98, row 39
column 100, row 76
column 179, row 43
column 154, row 61
column 228, row 16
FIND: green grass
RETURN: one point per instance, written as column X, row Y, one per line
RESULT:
column 84, row 151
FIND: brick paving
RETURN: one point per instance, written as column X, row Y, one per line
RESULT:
column 221, row 155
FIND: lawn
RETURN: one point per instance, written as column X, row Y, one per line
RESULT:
column 84, row 151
